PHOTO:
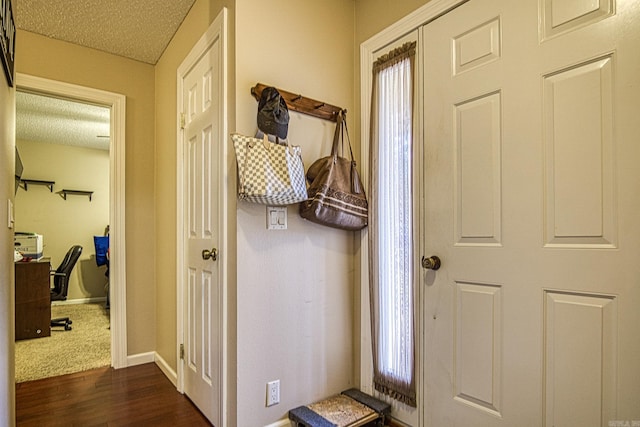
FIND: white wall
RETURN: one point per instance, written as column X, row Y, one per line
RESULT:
column 64, row 223
column 7, row 325
column 295, row 287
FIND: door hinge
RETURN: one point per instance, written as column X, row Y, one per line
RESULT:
column 182, row 121
column 181, row 351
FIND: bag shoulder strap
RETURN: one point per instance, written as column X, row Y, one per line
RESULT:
column 336, row 135
column 346, row 131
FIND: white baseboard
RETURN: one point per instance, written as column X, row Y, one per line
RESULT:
column 80, row 301
column 281, row 423
column 166, row 370
column 141, row 358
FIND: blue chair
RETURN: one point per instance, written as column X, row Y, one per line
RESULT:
column 102, row 258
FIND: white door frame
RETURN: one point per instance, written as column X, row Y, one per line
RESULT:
column 117, row 269
column 217, row 29
column 406, row 25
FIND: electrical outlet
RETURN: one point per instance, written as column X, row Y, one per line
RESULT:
column 273, row 392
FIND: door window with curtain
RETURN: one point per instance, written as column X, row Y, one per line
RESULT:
column 391, row 240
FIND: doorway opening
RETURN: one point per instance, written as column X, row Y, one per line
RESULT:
column 108, row 150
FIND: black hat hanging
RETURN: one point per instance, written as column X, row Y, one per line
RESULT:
column 273, row 114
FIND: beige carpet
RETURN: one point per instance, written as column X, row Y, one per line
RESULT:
column 86, row 346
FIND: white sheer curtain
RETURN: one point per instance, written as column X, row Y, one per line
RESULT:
column 391, row 225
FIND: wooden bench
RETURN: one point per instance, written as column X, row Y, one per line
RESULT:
column 351, row 408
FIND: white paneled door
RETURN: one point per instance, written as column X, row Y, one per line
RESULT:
column 201, row 140
column 532, row 203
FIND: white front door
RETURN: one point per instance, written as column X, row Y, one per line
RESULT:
column 201, row 147
column 532, row 203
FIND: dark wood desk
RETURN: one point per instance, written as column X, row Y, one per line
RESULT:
column 33, row 299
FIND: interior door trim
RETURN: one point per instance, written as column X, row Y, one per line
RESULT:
column 117, row 236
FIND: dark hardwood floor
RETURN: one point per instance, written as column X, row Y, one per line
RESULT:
column 136, row 396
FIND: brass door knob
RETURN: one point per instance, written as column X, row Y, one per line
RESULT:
column 210, row 254
column 431, row 263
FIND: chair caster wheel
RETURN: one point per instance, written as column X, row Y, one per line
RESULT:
column 67, row 327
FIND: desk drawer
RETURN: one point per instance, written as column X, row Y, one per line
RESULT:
column 33, row 300
column 32, row 281
column 33, row 319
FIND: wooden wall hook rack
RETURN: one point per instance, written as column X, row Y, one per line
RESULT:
column 301, row 104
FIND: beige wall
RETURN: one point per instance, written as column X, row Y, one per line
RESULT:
column 295, row 286
column 373, row 16
column 52, row 59
column 73, row 221
column 7, row 328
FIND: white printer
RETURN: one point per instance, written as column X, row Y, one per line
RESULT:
column 28, row 244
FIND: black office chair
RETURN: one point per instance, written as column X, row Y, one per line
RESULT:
column 61, row 283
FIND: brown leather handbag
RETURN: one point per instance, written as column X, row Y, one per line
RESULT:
column 336, row 196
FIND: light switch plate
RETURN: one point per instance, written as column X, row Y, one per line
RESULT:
column 276, row 217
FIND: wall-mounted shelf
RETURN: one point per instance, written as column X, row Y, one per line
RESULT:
column 25, row 183
column 66, row 192
column 302, row 104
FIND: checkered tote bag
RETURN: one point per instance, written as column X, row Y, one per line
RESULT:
column 269, row 173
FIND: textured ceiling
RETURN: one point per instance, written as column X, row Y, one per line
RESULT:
column 137, row 29
column 58, row 121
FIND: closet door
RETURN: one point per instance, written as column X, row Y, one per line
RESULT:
column 201, row 284
column 531, row 202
